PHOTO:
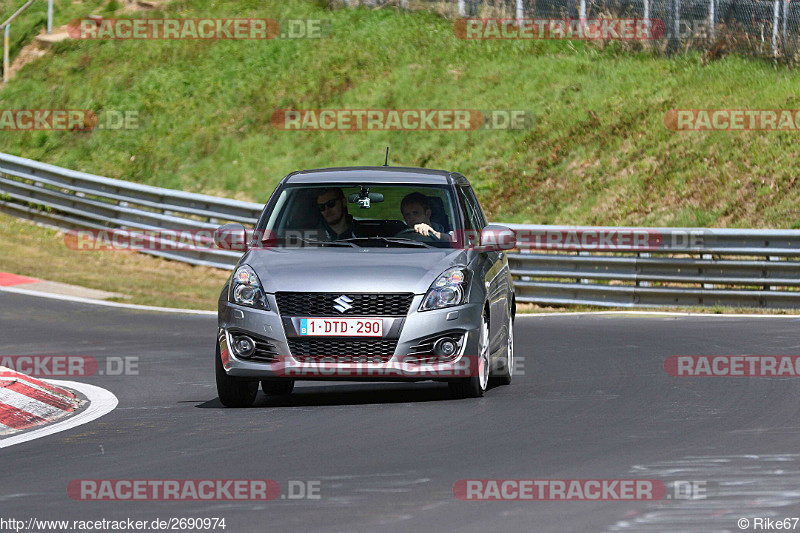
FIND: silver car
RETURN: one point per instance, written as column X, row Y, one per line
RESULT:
column 366, row 274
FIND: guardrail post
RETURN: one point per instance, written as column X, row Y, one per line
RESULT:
column 708, row 285
column 785, row 18
column 775, row 11
column 584, row 281
column 711, row 18
column 642, row 283
column 5, row 53
column 771, row 287
column 674, row 39
column 49, row 16
column 525, row 251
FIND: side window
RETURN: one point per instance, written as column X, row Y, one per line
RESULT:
column 480, row 218
column 471, row 208
column 467, row 208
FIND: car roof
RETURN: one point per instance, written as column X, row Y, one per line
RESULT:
column 372, row 175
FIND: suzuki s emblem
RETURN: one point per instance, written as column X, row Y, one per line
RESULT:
column 343, row 303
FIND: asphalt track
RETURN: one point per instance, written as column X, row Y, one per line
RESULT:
column 594, row 403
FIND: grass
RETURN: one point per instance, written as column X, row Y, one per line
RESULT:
column 598, row 154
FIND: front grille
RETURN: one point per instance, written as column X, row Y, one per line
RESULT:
column 308, row 304
column 265, row 351
column 343, row 350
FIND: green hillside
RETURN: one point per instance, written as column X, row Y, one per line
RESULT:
column 599, row 152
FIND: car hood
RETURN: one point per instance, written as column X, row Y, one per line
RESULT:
column 351, row 269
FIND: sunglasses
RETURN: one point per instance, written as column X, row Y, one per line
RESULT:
column 327, row 205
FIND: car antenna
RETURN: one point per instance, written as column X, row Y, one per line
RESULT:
column 386, row 162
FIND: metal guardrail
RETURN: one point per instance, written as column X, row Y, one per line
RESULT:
column 675, row 267
column 68, row 199
column 580, row 265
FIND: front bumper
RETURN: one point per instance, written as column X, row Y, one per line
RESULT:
column 270, row 328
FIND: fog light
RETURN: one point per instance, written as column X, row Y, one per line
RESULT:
column 445, row 346
column 244, row 346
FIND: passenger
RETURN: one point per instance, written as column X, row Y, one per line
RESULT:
column 336, row 223
column 416, row 210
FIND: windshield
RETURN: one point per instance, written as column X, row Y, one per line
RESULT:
column 362, row 215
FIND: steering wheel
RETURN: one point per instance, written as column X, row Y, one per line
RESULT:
column 411, row 233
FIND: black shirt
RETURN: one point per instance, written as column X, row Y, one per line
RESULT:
column 352, row 230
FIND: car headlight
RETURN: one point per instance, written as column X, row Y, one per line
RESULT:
column 449, row 289
column 246, row 289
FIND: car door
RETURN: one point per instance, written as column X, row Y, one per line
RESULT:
column 493, row 267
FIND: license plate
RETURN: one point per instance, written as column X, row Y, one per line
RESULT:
column 341, row 327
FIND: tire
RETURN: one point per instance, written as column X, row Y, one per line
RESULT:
column 233, row 392
column 475, row 386
column 504, row 378
column 277, row 388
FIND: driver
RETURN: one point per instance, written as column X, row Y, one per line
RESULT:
column 416, row 210
column 336, row 223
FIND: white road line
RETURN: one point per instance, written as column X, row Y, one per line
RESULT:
column 537, row 315
column 107, row 304
column 101, row 403
column 653, row 313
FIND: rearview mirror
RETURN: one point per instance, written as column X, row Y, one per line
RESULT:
column 231, row 237
column 364, row 202
column 495, row 237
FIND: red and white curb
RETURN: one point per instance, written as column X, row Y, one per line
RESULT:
column 27, row 403
column 10, row 280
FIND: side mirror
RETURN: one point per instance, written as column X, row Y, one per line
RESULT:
column 231, row 237
column 495, row 238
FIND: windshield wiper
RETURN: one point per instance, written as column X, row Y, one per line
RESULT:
column 330, row 243
column 390, row 240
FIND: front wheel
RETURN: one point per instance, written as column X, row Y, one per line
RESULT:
column 233, row 392
column 474, row 386
column 504, row 378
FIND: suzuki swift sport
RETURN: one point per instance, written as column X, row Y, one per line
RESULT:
column 366, row 274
